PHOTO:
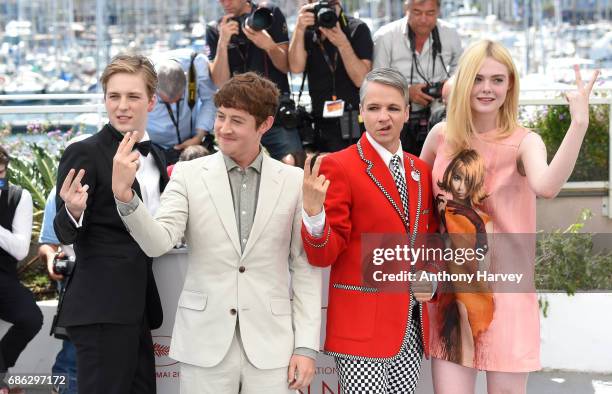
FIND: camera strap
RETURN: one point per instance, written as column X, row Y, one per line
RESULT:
column 304, row 73
column 175, row 121
column 60, row 303
column 244, row 57
column 266, row 69
column 191, row 89
column 436, row 51
column 332, row 66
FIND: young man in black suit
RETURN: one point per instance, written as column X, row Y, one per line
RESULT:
column 111, row 302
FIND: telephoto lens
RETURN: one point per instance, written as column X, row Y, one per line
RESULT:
column 260, row 19
column 326, row 15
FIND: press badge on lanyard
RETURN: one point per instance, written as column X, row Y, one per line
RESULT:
column 333, row 108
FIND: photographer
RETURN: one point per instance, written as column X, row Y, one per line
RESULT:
column 335, row 52
column 184, row 112
column 252, row 37
column 425, row 50
column 17, row 304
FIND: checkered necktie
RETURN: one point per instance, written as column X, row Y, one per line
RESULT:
column 400, row 182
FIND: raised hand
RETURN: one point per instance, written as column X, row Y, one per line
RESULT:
column 74, row 194
column 579, row 99
column 125, row 165
column 228, row 28
column 314, row 188
column 336, row 36
column 306, row 17
column 261, row 39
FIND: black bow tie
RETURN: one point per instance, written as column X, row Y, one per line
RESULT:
column 143, row 147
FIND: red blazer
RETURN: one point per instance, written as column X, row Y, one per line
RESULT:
column 363, row 321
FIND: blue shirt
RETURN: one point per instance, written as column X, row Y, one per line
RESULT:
column 160, row 127
column 47, row 233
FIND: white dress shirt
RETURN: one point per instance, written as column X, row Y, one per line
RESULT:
column 17, row 241
column 392, row 49
column 148, row 180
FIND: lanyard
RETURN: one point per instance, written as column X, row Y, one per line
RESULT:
column 416, row 64
column 244, row 56
column 175, row 122
column 332, row 67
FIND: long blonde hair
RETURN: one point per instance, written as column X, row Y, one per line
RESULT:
column 460, row 125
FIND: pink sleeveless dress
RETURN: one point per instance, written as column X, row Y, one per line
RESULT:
column 499, row 329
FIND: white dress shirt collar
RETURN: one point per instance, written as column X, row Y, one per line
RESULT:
column 145, row 137
column 384, row 154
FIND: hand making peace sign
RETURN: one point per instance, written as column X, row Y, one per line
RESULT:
column 579, row 99
column 74, row 194
column 125, row 165
column 314, row 187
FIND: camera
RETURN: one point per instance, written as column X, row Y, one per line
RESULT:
column 287, row 112
column 63, row 267
column 325, row 14
column 418, row 123
column 305, row 125
column 258, row 20
column 438, row 114
column 292, row 116
column 433, row 89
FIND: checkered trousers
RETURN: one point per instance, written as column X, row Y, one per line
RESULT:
column 398, row 376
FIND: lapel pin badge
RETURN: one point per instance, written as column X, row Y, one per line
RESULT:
column 415, row 175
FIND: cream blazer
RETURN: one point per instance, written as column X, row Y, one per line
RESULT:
column 270, row 287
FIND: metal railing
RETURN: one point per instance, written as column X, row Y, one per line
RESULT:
column 96, row 106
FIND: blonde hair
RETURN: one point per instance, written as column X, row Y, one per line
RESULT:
column 131, row 64
column 460, row 124
column 468, row 163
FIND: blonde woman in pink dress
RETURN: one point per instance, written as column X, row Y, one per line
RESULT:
column 483, row 116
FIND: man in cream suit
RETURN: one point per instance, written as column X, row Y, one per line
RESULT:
column 248, row 317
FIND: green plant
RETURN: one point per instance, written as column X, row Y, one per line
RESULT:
column 552, row 123
column 36, row 173
column 566, row 260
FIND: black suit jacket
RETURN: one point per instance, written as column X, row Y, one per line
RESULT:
column 113, row 279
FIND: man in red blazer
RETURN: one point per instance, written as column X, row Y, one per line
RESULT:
column 377, row 336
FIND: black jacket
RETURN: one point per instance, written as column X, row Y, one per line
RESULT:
column 113, row 279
